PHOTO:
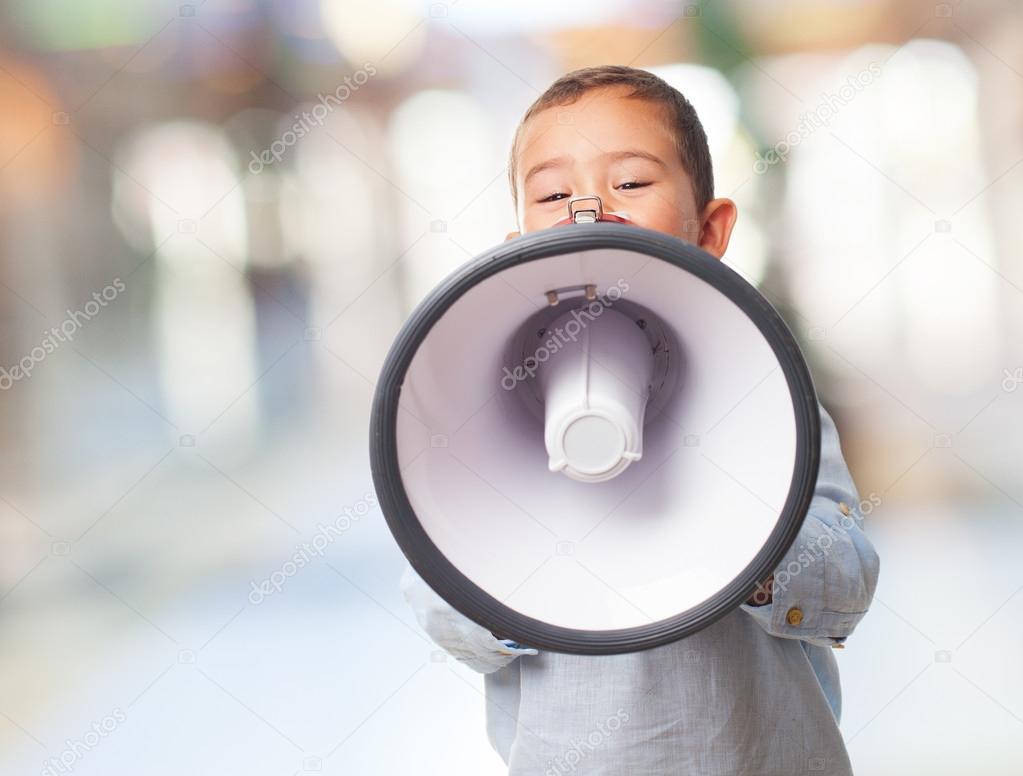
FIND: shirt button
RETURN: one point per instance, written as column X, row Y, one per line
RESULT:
column 843, row 508
column 794, row 616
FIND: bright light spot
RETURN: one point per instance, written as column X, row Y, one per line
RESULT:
column 387, row 33
column 176, row 189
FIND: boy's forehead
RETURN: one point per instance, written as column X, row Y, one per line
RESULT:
column 600, row 120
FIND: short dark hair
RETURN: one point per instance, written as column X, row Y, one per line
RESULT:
column 690, row 139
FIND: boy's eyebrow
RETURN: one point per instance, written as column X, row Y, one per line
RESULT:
column 557, row 161
column 632, row 153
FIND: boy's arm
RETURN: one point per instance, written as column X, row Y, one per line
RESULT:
column 824, row 584
column 459, row 636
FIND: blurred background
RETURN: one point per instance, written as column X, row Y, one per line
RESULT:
column 214, row 217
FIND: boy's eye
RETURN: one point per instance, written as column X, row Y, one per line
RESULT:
column 633, row 185
column 554, row 197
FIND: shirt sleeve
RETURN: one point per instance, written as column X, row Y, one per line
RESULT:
column 463, row 639
column 826, row 581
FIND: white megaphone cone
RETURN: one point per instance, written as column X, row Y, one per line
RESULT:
column 595, row 438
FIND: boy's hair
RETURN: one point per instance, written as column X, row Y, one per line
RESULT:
column 690, row 139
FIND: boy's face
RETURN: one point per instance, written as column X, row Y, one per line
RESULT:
column 621, row 150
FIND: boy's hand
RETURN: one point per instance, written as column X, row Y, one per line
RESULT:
column 764, row 593
column 460, row 637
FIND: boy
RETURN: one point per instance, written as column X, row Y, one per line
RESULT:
column 757, row 692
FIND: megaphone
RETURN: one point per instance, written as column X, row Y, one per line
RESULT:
column 595, row 438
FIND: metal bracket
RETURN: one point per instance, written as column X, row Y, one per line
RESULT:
column 590, row 211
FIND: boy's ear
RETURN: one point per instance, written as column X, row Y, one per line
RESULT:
column 718, row 220
column 512, row 235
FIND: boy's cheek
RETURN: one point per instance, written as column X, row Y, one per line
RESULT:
column 533, row 222
column 668, row 223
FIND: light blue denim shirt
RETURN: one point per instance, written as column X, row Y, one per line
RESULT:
column 755, row 693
